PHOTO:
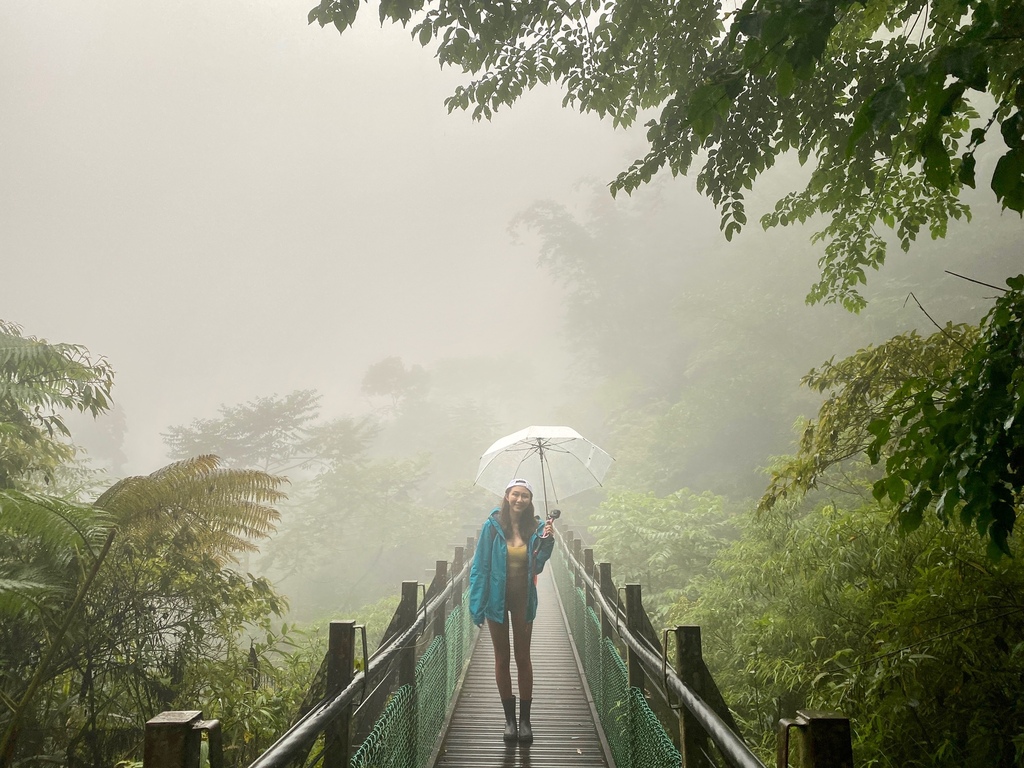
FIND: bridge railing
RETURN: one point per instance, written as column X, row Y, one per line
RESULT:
column 638, row 692
column 654, row 713
column 389, row 712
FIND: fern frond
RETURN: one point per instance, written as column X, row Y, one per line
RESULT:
column 18, row 595
column 198, row 504
column 54, row 525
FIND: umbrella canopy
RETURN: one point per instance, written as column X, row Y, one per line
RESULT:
column 555, row 459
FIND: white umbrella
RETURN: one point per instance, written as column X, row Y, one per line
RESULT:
column 558, row 458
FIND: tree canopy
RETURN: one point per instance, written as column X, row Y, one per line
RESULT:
column 888, row 102
column 277, row 434
column 390, row 378
column 961, row 435
column 39, row 382
column 941, row 414
column 914, row 637
column 111, row 611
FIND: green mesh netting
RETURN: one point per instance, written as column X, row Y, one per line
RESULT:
column 431, row 696
column 468, row 629
column 635, row 736
column 406, row 732
column 649, row 744
column 615, row 696
column 392, row 742
column 590, row 652
column 456, row 649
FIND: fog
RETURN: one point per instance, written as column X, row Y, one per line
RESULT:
column 227, row 203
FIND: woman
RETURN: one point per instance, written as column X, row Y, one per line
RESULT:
column 513, row 547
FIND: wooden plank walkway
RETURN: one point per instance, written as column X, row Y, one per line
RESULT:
column 565, row 735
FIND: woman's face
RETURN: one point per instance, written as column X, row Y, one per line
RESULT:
column 519, row 498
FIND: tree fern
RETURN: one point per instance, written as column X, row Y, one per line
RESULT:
column 199, row 504
column 45, row 541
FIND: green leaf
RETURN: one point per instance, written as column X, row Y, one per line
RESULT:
column 879, row 490
column 880, row 114
column 785, row 79
column 966, row 171
column 895, row 488
column 1008, row 180
column 937, row 166
column 1012, row 130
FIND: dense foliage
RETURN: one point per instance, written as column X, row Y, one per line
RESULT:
column 39, row 381
column 955, row 440
column 940, row 414
column 830, row 599
column 918, row 638
column 115, row 609
column 663, row 544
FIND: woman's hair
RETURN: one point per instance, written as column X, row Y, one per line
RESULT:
column 526, row 519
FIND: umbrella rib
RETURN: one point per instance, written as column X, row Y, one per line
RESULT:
column 554, row 491
column 519, row 466
column 583, row 464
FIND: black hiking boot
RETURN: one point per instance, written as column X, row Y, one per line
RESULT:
column 525, row 729
column 511, row 732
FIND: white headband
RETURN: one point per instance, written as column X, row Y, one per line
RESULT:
column 520, row 481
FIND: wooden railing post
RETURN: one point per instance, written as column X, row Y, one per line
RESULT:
column 341, row 654
column 689, row 665
column 171, row 740
column 634, row 623
column 577, row 552
column 588, row 568
column 609, row 594
column 825, row 740
column 406, row 618
column 441, row 580
column 457, row 563
column 174, row 740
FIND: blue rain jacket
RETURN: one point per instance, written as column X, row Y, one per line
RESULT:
column 487, row 576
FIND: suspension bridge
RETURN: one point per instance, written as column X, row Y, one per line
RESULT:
column 606, row 695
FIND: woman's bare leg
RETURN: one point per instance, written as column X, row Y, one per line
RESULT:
column 522, row 632
column 502, row 659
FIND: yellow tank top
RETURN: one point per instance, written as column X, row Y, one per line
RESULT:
column 515, row 567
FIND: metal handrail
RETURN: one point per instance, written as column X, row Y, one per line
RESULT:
column 731, row 746
column 300, row 736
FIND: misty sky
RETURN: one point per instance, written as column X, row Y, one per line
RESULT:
column 227, row 203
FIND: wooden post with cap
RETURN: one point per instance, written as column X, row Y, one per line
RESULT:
column 341, row 654
column 689, row 664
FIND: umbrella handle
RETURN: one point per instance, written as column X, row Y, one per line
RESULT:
column 553, row 515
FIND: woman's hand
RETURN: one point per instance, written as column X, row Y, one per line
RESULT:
column 549, row 526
